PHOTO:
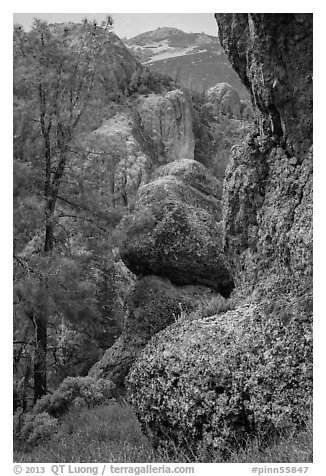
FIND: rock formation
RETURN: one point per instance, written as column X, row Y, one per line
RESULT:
column 216, row 381
column 167, row 120
column 157, row 131
column 174, row 228
column 172, row 240
column 127, row 166
column 118, row 66
column 281, row 87
column 223, row 99
column 152, row 304
column 219, row 380
column 268, row 188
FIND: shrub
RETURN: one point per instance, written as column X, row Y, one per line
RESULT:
column 145, row 81
column 38, row 428
column 112, row 433
column 76, row 391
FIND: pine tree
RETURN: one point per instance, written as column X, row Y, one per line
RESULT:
column 55, row 72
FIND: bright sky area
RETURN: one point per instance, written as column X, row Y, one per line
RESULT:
column 131, row 24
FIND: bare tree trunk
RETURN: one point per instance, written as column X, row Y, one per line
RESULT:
column 40, row 371
column 49, row 225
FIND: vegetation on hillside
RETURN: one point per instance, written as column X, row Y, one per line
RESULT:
column 111, row 433
column 62, row 250
column 68, row 286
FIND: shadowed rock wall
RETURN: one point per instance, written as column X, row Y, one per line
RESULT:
column 272, row 53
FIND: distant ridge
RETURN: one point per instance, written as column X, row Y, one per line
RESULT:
column 197, row 60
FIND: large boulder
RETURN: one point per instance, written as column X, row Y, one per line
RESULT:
column 223, row 99
column 152, row 304
column 167, row 121
column 212, row 383
column 193, row 174
column 174, row 229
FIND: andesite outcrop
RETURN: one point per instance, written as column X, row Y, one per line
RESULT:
column 268, row 188
column 272, row 54
column 219, row 380
column 223, row 99
column 175, row 230
column 172, row 241
column 152, row 304
column 157, row 131
column 167, row 120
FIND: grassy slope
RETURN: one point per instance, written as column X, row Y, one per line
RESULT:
column 112, row 434
column 200, row 71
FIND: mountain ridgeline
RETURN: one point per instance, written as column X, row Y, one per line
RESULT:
column 195, row 59
column 180, row 268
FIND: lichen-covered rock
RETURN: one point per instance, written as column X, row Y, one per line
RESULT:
column 194, row 174
column 167, row 120
column 152, row 304
column 215, row 381
column 268, row 214
column 223, row 99
column 272, row 53
column 174, row 230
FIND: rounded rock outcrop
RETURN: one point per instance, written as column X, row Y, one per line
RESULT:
column 152, row 304
column 193, row 174
column 223, row 99
column 174, row 229
column 215, row 381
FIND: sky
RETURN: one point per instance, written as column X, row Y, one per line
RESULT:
column 131, row 24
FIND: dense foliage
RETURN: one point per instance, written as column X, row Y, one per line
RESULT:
column 43, row 421
column 67, row 286
column 111, row 432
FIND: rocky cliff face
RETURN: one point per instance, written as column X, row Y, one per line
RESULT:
column 151, row 131
column 219, row 380
column 281, row 87
column 127, row 165
column 268, row 189
column 122, row 65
